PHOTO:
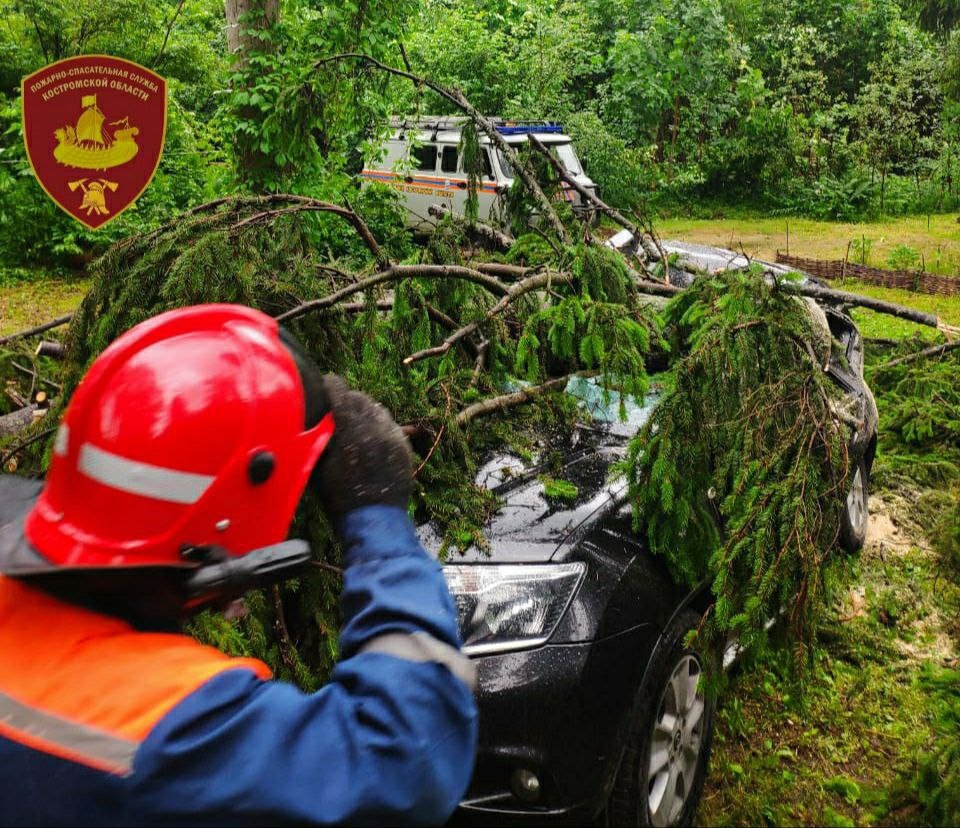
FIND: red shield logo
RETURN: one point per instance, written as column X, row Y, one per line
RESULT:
column 94, row 128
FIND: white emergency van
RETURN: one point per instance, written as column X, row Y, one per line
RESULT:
column 423, row 161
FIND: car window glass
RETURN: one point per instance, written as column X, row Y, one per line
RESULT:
column 448, row 160
column 425, row 157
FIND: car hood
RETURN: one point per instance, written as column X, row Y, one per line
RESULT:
column 530, row 526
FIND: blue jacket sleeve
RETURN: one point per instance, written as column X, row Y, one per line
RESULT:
column 389, row 740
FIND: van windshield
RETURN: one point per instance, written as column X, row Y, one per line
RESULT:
column 565, row 153
column 568, row 157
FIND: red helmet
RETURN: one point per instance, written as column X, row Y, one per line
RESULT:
column 191, row 430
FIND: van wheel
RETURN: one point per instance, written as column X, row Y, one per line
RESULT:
column 664, row 765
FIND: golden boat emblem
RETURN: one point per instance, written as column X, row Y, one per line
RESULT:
column 88, row 147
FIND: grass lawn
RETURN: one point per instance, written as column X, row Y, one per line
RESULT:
column 845, row 752
column 936, row 239
column 27, row 303
column 762, row 236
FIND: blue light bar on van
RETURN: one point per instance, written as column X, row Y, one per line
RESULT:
column 527, row 129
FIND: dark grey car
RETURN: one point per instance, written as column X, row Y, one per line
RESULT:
column 589, row 699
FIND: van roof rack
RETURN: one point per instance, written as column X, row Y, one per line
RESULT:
column 526, row 128
column 504, row 126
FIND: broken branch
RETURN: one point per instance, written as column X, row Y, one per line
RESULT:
column 529, row 284
column 39, row 329
column 933, row 351
column 305, row 204
column 524, row 395
column 490, row 237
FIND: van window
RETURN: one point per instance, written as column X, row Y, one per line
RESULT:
column 486, row 171
column 505, row 165
column 448, row 160
column 485, row 164
column 425, row 157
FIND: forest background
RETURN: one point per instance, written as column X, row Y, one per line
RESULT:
column 832, row 109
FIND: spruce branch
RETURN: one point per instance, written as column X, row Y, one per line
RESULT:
column 531, row 283
column 502, row 402
column 305, row 204
column 396, row 273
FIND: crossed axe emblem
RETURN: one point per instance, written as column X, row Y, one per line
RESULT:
column 93, row 194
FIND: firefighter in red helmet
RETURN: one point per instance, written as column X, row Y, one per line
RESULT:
column 175, row 474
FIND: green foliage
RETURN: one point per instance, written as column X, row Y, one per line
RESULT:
column 737, row 475
column 622, row 172
column 938, row 782
column 559, row 489
column 296, row 125
column 239, row 250
column 903, row 257
column 919, row 405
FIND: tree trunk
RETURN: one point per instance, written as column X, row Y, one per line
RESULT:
column 245, row 16
column 262, row 15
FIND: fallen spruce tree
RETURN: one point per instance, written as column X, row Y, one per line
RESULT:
column 734, row 479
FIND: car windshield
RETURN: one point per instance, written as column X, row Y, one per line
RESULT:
column 603, row 405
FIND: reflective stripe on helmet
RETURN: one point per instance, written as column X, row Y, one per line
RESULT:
column 53, row 734
column 62, row 441
column 142, row 478
column 421, row 646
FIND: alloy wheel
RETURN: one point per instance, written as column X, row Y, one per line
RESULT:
column 857, row 502
column 676, row 743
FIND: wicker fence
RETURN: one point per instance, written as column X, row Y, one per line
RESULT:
column 915, row 280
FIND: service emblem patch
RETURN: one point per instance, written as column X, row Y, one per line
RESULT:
column 94, row 127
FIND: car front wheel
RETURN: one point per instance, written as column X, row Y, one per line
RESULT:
column 854, row 515
column 664, row 765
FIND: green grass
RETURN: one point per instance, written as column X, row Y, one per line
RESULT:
column 889, row 327
column 938, row 242
column 29, row 302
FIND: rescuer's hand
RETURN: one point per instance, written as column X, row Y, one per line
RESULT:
column 368, row 459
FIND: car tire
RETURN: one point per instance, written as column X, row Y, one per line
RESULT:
column 854, row 512
column 663, row 747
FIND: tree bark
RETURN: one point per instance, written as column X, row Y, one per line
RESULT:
column 39, row 329
column 262, row 15
column 245, row 16
column 16, row 420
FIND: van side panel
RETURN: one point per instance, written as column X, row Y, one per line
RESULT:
column 421, row 188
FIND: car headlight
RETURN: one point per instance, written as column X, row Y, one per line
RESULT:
column 510, row 607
